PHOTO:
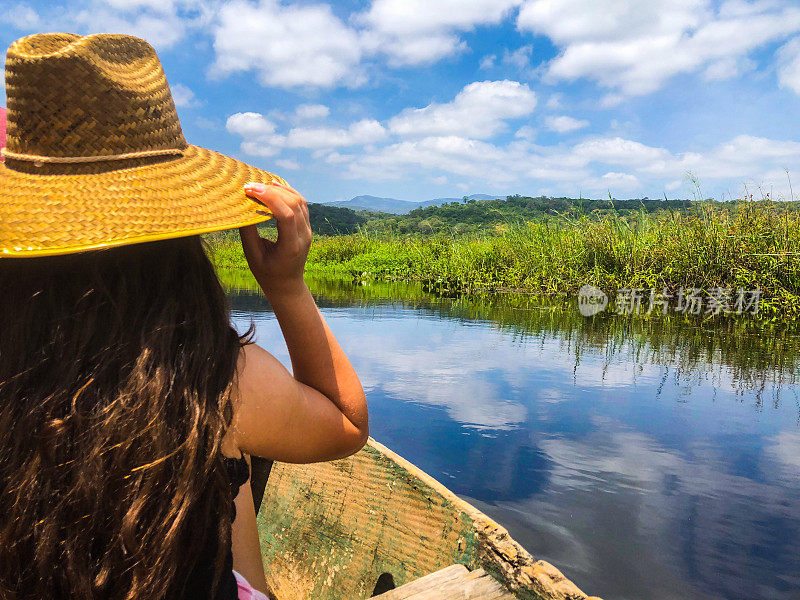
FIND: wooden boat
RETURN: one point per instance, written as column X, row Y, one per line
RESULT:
column 353, row 528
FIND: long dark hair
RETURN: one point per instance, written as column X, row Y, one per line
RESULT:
column 116, row 371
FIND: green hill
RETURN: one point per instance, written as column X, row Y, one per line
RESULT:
column 473, row 215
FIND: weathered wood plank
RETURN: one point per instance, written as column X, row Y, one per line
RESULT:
column 486, row 588
column 475, row 574
column 438, row 579
column 451, row 583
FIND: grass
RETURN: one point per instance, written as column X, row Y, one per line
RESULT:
column 753, row 245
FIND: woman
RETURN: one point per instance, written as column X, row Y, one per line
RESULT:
column 128, row 404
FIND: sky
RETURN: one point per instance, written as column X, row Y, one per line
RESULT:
column 418, row 99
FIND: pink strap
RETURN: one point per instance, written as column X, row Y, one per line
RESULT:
column 2, row 129
column 247, row 591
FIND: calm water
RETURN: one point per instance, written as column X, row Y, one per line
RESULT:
column 645, row 460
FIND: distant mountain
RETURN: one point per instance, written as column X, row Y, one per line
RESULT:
column 398, row 207
column 376, row 203
column 471, row 197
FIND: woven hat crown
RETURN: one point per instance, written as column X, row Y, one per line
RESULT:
column 96, row 96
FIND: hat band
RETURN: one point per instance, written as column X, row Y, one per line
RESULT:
column 35, row 158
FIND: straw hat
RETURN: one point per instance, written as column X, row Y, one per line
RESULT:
column 96, row 157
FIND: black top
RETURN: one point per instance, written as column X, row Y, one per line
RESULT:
column 199, row 584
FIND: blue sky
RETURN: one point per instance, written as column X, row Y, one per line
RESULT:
column 416, row 99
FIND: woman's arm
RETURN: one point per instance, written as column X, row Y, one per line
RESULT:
column 320, row 413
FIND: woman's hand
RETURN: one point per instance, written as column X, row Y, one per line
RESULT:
column 278, row 266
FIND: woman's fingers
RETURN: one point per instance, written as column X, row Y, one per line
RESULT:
column 301, row 208
column 290, row 210
column 278, row 202
column 271, row 197
column 284, row 260
column 296, row 202
column 251, row 241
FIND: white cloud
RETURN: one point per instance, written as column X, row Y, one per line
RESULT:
column 415, row 32
column 635, row 47
column 487, row 62
column 453, row 140
column 789, row 65
column 519, row 58
column 309, row 112
column 526, row 132
column 183, row 96
column 260, row 137
column 565, row 124
column 742, row 159
column 20, row 16
column 728, row 68
column 673, row 185
column 164, row 6
column 624, row 181
column 289, row 164
column 611, row 100
column 163, row 23
column 746, row 156
column 596, row 165
column 250, row 125
column 618, row 151
column 366, row 131
column 414, row 50
column 408, row 17
column 336, row 158
column 286, row 46
column 478, row 111
column 162, row 30
column 554, row 101
column 452, row 154
column 258, row 132
column 260, row 148
column 468, row 159
column 566, row 21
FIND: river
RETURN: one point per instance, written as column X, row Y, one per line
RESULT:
column 645, row 459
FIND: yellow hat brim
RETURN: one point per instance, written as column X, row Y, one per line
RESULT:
column 200, row 192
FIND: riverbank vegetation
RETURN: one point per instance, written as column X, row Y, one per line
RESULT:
column 704, row 245
column 755, row 355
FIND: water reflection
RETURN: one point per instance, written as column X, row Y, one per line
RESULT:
column 645, row 459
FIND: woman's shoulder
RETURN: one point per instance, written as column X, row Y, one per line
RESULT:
column 260, row 386
column 281, row 418
column 254, row 368
column 252, row 358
